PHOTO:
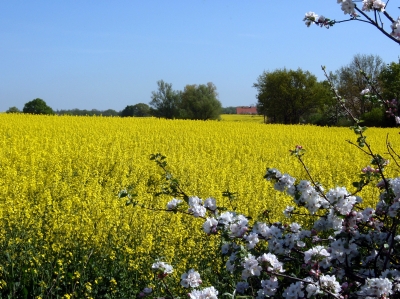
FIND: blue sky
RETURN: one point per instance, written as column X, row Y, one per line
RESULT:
column 110, row 54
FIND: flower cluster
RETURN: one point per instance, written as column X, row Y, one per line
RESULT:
column 396, row 28
column 348, row 7
column 196, row 206
column 347, row 250
column 191, row 279
column 377, row 5
column 365, row 92
column 206, row 293
column 162, row 269
column 313, row 18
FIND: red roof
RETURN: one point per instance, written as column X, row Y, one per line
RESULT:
column 246, row 110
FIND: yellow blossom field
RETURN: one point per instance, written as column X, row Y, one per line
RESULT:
column 243, row 118
column 60, row 177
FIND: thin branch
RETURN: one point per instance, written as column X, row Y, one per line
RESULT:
column 360, row 148
column 388, row 16
column 391, row 151
column 377, row 26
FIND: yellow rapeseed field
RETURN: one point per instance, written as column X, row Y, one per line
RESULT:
column 60, row 177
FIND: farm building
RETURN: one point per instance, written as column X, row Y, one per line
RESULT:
column 246, row 110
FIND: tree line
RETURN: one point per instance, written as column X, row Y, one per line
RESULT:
column 194, row 102
column 283, row 96
column 296, row 96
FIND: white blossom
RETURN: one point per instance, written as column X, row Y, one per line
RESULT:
column 269, row 287
column 369, row 5
column 329, row 283
column 270, row 262
column 376, row 287
column 365, row 92
column 196, row 207
column 295, row 227
column 347, row 6
column 312, row 288
column 210, row 203
column 162, row 267
column 396, row 33
column 294, row 291
column 288, row 211
column 190, row 279
column 340, row 199
column 226, row 218
column 250, row 267
column 207, row 293
column 310, row 18
column 210, row 225
column 315, row 254
column 284, row 182
column 173, row 204
column 252, row 240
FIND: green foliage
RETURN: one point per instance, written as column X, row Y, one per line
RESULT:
column 375, row 118
column 228, row 110
column 109, row 112
column 351, row 81
column 84, row 112
column 200, row 102
column 137, row 110
column 194, row 102
column 13, row 110
column 287, row 96
column 389, row 80
column 165, row 102
column 37, row 106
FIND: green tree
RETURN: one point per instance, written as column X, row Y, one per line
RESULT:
column 200, row 102
column 287, row 96
column 37, row 106
column 13, row 110
column 109, row 112
column 389, row 80
column 165, row 102
column 350, row 82
column 137, row 110
column 228, row 110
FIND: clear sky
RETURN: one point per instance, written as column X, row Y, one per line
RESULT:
column 97, row 54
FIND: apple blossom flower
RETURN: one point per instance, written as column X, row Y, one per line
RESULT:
column 347, row 7
column 210, row 225
column 250, row 267
column 173, row 204
column 364, row 92
column 190, row 279
column 377, row 5
column 376, row 287
column 210, row 203
column 310, row 18
column 270, row 262
column 288, row 211
column 162, row 269
column 269, row 287
column 294, row 291
column 315, row 254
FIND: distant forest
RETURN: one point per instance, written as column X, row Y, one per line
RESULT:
column 111, row 112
